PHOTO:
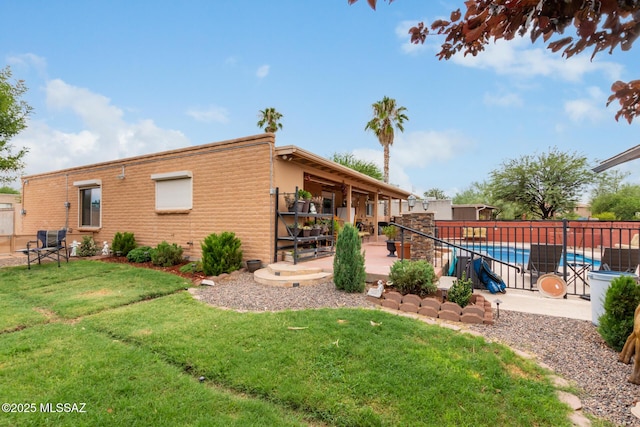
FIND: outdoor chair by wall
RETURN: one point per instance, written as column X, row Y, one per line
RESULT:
column 620, row 259
column 543, row 259
column 50, row 244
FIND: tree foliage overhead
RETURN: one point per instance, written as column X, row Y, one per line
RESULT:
column 600, row 25
column 14, row 113
column 436, row 193
column 623, row 204
column 544, row 185
column 362, row 166
column 269, row 120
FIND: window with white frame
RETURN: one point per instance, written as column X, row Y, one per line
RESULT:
column 89, row 203
column 174, row 191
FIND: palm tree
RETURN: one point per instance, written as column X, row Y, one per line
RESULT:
column 269, row 120
column 386, row 116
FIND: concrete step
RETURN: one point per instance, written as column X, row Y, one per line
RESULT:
column 288, row 269
column 265, row 276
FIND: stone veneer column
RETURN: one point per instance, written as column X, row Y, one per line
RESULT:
column 421, row 247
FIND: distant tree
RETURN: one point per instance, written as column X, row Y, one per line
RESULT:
column 603, row 25
column 14, row 113
column 362, row 166
column 624, row 204
column 386, row 116
column 608, row 182
column 477, row 192
column 436, row 193
column 543, row 185
column 8, row 190
column 269, row 120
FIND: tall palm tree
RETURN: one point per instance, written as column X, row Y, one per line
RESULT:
column 269, row 120
column 386, row 116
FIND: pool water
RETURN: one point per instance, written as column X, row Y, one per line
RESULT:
column 520, row 256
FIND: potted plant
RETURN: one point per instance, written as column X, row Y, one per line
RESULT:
column 391, row 231
column 317, row 204
column 294, row 230
column 304, row 200
column 290, row 200
column 306, row 231
column 316, row 229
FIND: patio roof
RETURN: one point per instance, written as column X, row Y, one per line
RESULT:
column 337, row 173
column 626, row 156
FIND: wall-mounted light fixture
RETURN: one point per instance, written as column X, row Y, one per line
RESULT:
column 122, row 175
column 425, row 204
column 23, row 211
column 411, row 200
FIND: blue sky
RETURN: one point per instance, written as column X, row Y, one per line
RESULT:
column 114, row 79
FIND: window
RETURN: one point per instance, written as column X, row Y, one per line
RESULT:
column 174, row 191
column 369, row 208
column 90, row 203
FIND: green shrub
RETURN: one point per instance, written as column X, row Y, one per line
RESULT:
column 166, row 254
column 460, row 291
column 605, row 216
column 123, row 243
column 141, row 254
column 221, row 253
column 620, row 302
column 413, row 277
column 348, row 263
column 88, row 247
column 192, row 267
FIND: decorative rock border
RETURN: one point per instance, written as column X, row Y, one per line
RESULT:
column 478, row 311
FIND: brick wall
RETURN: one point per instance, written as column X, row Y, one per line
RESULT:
column 231, row 192
column 421, row 247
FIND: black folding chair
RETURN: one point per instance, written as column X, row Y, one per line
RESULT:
column 51, row 244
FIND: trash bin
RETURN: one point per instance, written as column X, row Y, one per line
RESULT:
column 599, row 282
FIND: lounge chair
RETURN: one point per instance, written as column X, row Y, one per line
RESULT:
column 543, row 259
column 50, row 244
column 620, row 259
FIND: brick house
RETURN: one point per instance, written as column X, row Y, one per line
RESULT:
column 184, row 195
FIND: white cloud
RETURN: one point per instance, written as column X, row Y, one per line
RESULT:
column 415, row 150
column 263, row 71
column 505, row 100
column 212, row 114
column 518, row 57
column 589, row 108
column 28, row 60
column 106, row 135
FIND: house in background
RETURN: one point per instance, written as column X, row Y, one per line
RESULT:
column 181, row 196
column 10, row 221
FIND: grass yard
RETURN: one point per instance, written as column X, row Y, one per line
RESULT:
column 131, row 344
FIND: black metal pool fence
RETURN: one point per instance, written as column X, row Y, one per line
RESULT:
column 529, row 249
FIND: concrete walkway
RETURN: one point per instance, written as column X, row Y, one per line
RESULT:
column 377, row 265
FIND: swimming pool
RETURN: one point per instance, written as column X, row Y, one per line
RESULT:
column 520, row 256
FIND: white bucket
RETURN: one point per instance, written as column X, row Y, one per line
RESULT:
column 599, row 281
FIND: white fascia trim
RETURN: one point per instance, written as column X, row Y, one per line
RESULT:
column 87, row 183
column 171, row 175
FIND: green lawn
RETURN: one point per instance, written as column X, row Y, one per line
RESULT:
column 130, row 344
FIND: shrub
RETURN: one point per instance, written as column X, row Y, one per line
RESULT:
column 348, row 263
column 166, row 254
column 620, row 302
column 413, row 277
column 460, row 291
column 123, row 243
column 221, row 253
column 88, row 247
column 141, row 254
column 192, row 268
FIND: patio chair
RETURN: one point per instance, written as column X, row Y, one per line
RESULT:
column 620, row 259
column 51, row 244
column 543, row 259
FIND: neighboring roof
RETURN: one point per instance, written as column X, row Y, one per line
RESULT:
column 626, row 156
column 340, row 172
column 475, row 206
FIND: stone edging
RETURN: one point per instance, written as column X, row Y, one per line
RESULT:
column 478, row 311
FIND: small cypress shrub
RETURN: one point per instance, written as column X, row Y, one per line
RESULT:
column 87, row 247
column 166, row 254
column 141, row 254
column 348, row 263
column 460, row 291
column 620, row 302
column 123, row 243
column 413, row 277
column 221, row 253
